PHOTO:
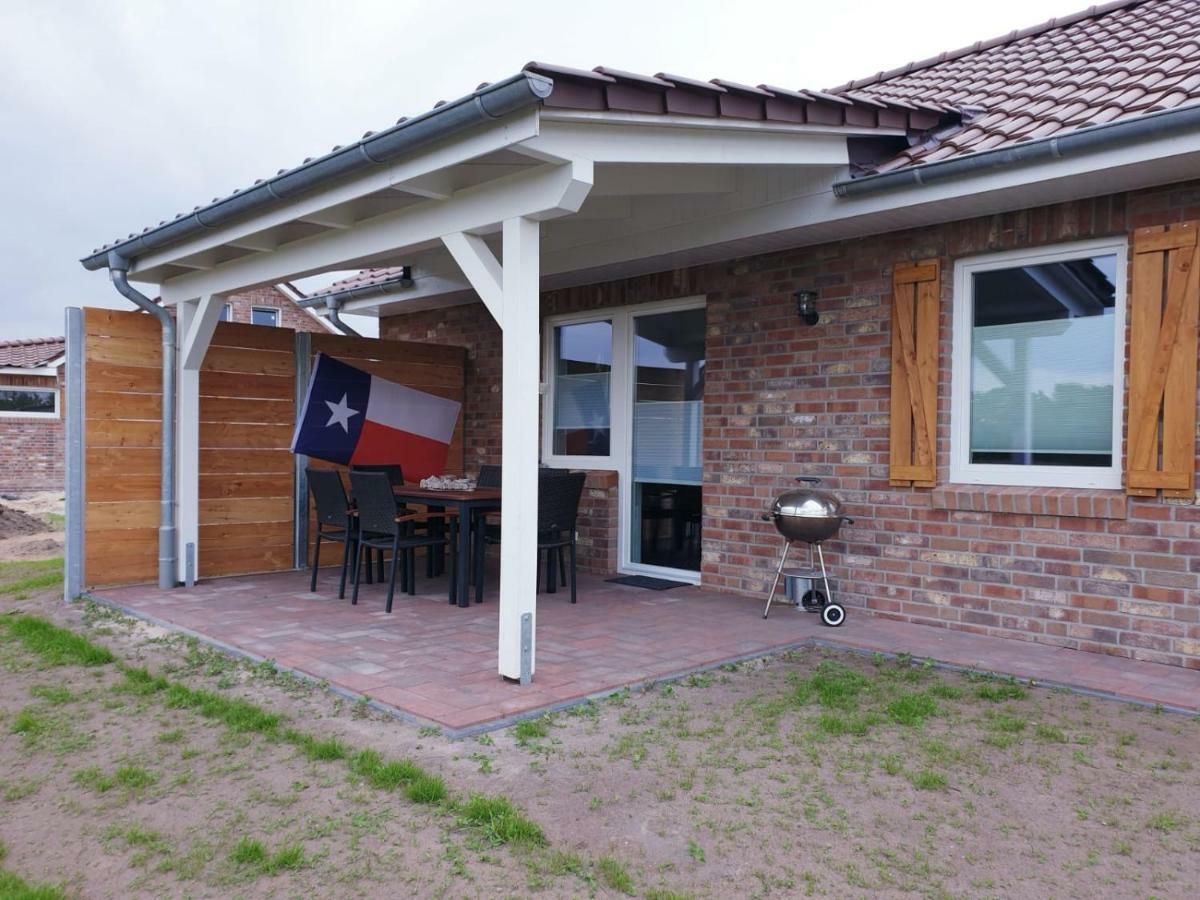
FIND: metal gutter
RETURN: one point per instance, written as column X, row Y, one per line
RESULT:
column 118, row 266
column 491, row 102
column 379, row 288
column 334, row 305
column 1152, row 126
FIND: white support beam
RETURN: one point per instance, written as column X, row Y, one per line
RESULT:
column 262, row 242
column 336, row 217
column 481, row 268
column 541, row 193
column 638, row 181
column 667, row 144
column 434, row 158
column 519, row 436
column 434, row 186
column 197, row 320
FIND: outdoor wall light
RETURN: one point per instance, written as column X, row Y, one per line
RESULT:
column 806, row 307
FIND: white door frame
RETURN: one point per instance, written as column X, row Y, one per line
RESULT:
column 620, row 458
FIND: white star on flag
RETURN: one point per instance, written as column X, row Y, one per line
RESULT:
column 340, row 413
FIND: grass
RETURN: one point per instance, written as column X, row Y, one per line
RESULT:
column 56, row 646
column 249, row 853
column 928, row 780
column 614, row 875
column 500, row 821
column 13, row 887
column 528, row 730
column 20, row 577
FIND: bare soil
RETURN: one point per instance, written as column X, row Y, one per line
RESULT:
column 813, row 774
column 31, row 526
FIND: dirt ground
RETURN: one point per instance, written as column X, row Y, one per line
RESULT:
column 31, row 527
column 814, row 774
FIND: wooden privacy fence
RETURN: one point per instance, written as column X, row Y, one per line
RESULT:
column 247, row 414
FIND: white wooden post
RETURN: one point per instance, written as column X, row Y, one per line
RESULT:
column 197, row 320
column 519, row 455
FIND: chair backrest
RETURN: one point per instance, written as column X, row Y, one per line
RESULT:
column 376, row 504
column 558, row 501
column 489, row 477
column 393, row 471
column 329, row 495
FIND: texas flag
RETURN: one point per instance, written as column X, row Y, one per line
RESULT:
column 353, row 417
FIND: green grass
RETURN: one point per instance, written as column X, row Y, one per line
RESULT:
column 500, row 821
column 833, row 686
column 317, row 749
column 928, row 780
column 999, row 691
column 912, row 708
column 384, row 775
column 614, row 874
column 531, row 729
column 54, row 694
column 56, row 646
column 29, row 725
column 18, row 578
column 13, row 887
column 249, row 853
column 427, row 789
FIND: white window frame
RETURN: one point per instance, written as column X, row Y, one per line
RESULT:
column 962, row 470
column 274, row 310
column 12, row 414
column 227, row 310
column 620, row 444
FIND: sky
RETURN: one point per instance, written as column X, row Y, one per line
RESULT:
column 119, row 114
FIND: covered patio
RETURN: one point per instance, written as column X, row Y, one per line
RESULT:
column 434, row 664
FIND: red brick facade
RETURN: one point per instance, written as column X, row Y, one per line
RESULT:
column 31, row 449
column 290, row 315
column 1086, row 569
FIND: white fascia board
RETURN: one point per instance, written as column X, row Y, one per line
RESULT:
column 607, row 142
column 480, row 142
column 542, row 193
column 714, row 123
column 819, row 216
column 49, row 369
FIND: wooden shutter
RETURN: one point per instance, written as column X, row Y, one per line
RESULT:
column 916, row 298
column 1161, row 423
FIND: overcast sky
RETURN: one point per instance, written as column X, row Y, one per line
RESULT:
column 118, row 114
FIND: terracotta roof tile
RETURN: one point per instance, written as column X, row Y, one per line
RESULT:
column 31, row 352
column 1107, row 62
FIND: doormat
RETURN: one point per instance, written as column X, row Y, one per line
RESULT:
column 645, row 581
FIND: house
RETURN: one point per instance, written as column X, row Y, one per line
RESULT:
column 31, row 431
column 31, row 387
column 963, row 292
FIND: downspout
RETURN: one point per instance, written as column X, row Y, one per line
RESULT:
column 118, row 266
column 333, row 305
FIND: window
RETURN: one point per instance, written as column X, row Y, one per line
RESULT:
column 582, row 389
column 264, row 315
column 1038, row 361
column 226, row 313
column 29, row 401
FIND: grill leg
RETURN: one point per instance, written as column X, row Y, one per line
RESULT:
column 824, row 577
column 787, row 545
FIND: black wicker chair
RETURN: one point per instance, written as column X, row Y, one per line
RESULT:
column 335, row 520
column 558, row 509
column 382, row 528
column 489, row 477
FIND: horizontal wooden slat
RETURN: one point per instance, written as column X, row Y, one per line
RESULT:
column 108, row 377
column 133, row 514
column 124, row 351
column 250, row 362
column 245, row 510
column 1154, row 240
column 261, row 337
column 232, row 562
column 113, row 541
column 362, row 349
column 122, row 433
column 109, row 462
column 238, row 536
column 229, row 409
column 235, row 436
column 121, row 323
column 233, row 486
column 109, row 571
column 924, row 271
column 243, row 462
column 246, row 387
column 124, row 486
column 113, row 405
column 419, row 376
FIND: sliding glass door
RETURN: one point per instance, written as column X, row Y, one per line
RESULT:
column 665, row 432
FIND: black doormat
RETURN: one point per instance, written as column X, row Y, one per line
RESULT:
column 645, row 581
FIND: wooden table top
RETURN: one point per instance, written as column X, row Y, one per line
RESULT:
column 434, row 496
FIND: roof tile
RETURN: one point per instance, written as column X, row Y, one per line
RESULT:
column 30, row 353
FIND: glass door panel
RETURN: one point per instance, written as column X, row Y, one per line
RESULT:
column 668, row 395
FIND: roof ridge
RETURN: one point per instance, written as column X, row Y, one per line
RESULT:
column 1092, row 12
column 32, row 342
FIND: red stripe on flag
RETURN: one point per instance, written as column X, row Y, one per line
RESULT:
column 380, row 445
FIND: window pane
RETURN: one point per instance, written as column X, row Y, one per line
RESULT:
column 1042, row 367
column 26, row 401
column 264, row 316
column 226, row 313
column 582, row 389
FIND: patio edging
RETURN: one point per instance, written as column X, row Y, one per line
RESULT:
column 642, row 685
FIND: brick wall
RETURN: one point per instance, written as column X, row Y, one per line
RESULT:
column 1089, row 570
column 31, row 449
column 290, row 315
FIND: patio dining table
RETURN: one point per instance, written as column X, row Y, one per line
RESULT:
column 467, row 503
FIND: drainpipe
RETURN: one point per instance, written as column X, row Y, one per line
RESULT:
column 118, row 266
column 333, row 305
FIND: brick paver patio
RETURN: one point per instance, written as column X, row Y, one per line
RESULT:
column 437, row 662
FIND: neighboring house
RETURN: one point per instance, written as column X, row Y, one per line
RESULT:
column 31, row 412
column 31, row 388
column 964, row 292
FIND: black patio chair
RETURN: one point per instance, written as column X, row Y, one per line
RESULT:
column 558, row 510
column 381, row 527
column 434, row 564
column 335, row 520
column 489, row 476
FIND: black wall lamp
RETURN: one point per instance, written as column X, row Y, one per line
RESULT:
column 806, row 307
